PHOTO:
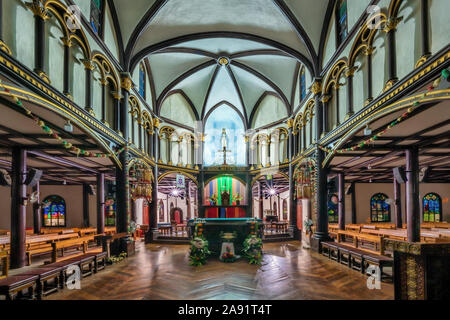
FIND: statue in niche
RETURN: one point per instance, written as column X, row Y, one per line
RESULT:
column 225, row 198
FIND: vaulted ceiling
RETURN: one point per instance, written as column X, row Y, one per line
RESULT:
column 264, row 43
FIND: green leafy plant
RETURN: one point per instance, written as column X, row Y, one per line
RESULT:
column 199, row 247
column 308, row 224
column 252, row 248
column 115, row 259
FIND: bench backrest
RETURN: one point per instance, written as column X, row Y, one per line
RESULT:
column 72, row 242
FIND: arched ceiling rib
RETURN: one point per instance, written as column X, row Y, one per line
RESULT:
column 264, row 40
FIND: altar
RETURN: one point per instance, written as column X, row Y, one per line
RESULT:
column 213, row 228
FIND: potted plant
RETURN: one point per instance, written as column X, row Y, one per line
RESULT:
column 308, row 231
column 213, row 200
column 237, row 198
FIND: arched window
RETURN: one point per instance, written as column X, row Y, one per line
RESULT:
column 341, row 21
column 432, row 208
column 54, row 212
column 224, row 117
column 142, row 80
column 332, row 208
column 380, row 210
column 302, row 84
column 96, row 19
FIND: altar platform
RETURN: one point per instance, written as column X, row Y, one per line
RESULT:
column 225, row 212
column 212, row 228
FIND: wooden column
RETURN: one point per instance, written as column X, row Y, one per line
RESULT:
column 122, row 178
column 66, row 76
column 353, row 188
column 100, row 203
column 349, row 74
column 89, row 67
column 321, row 233
column 324, row 99
column 188, row 201
column 368, row 52
column 37, row 217
column 341, row 203
column 391, row 50
column 292, row 200
column 249, row 195
column 261, row 201
column 201, row 206
column 40, row 15
column 412, row 195
column 397, row 205
column 336, row 99
column 425, row 25
column 85, row 205
column 18, row 208
column 154, row 205
column 104, row 84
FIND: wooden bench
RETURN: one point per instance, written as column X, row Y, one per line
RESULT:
column 42, row 244
column 359, row 240
column 13, row 287
column 110, row 230
column 48, row 280
column 65, row 244
column 87, row 231
column 4, row 264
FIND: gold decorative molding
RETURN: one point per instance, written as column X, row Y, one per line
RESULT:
column 5, row 48
column 44, row 76
column 126, row 83
column 88, row 65
column 316, row 87
column 389, row 84
column 349, row 72
column 38, row 9
column 67, row 42
column 421, row 61
column 290, row 123
column 369, row 51
column 325, row 98
column 156, row 122
column 391, row 24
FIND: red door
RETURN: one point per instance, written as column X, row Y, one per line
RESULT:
column 145, row 216
column 299, row 214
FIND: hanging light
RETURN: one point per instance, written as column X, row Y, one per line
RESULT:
column 272, row 192
column 367, row 131
column 68, row 127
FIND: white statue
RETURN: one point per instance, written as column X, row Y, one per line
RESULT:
column 224, row 139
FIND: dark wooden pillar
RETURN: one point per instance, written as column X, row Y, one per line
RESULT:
column 397, row 205
column 425, row 25
column 324, row 99
column 336, row 100
column 104, row 93
column 100, row 203
column 321, row 233
column 292, row 197
column 37, row 217
column 89, row 67
column 249, row 195
column 85, row 205
column 66, row 76
column 368, row 53
column 261, row 201
column 390, row 29
column 154, row 205
column 40, row 14
column 18, row 208
column 412, row 195
column 201, row 201
column 353, row 188
column 122, row 178
column 341, row 203
column 188, row 200
column 116, row 111
column 349, row 74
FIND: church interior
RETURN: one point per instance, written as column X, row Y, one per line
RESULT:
column 217, row 150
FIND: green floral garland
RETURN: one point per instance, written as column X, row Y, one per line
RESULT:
column 253, row 245
column 199, row 247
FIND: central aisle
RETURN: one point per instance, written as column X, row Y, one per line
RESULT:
column 288, row 272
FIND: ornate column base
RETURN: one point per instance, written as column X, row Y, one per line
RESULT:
column 317, row 239
column 151, row 236
column 420, row 270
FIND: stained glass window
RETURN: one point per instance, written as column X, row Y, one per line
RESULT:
column 110, row 213
column 302, row 85
column 142, row 80
column 380, row 210
column 54, row 211
column 432, row 207
column 332, row 208
column 96, row 19
column 341, row 18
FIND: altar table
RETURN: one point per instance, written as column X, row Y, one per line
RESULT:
column 213, row 227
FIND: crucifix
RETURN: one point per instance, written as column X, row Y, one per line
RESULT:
column 224, row 146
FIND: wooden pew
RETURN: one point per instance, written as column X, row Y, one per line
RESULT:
column 4, row 263
column 64, row 244
column 4, row 232
column 110, row 230
column 42, row 244
column 353, row 227
column 87, row 231
column 359, row 240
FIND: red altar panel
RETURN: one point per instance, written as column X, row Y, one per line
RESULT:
column 232, row 212
column 299, row 214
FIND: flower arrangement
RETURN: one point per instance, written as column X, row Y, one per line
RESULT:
column 237, row 198
column 213, row 199
column 252, row 249
column 199, row 247
column 228, row 256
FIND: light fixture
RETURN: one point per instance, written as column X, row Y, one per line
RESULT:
column 175, row 192
column 272, row 192
column 64, row 182
column 367, row 131
column 68, row 126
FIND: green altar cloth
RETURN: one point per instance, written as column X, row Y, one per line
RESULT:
column 212, row 229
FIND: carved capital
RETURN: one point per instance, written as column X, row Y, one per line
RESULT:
column 5, row 48
column 67, row 42
column 38, row 8
column 349, row 72
column 316, row 87
column 290, row 123
column 391, row 24
column 156, row 122
column 325, row 98
column 88, row 65
column 369, row 51
column 126, row 83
